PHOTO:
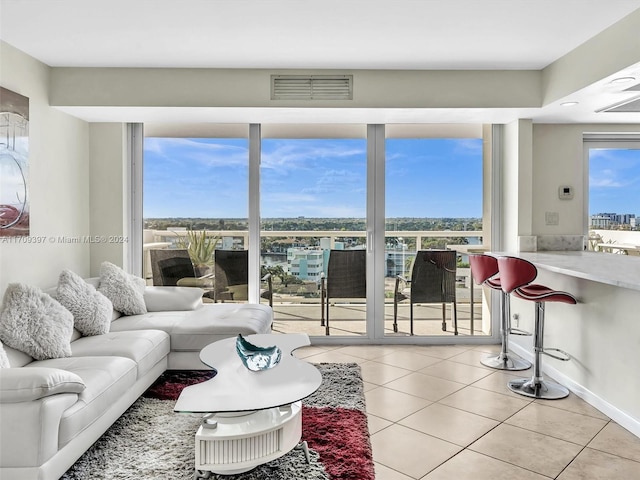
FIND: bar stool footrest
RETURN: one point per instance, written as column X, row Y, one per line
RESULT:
column 517, row 331
column 565, row 357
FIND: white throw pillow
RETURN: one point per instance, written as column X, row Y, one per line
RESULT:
column 125, row 291
column 91, row 309
column 167, row 299
column 33, row 322
column 4, row 360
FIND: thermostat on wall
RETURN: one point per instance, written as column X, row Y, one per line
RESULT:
column 565, row 192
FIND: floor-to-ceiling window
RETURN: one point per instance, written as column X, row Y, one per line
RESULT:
column 195, row 195
column 323, row 188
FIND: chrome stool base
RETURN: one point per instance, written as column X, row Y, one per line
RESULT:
column 538, row 389
column 503, row 362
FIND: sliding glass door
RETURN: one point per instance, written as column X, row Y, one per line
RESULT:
column 313, row 203
column 433, row 204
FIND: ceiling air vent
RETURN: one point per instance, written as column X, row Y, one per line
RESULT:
column 311, row 87
column 630, row 105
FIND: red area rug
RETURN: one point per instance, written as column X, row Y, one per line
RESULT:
column 151, row 442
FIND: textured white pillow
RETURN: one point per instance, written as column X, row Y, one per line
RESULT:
column 33, row 322
column 4, row 360
column 31, row 383
column 91, row 309
column 125, row 291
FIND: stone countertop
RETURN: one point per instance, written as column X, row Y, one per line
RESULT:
column 612, row 269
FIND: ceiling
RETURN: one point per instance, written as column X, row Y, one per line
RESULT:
column 332, row 34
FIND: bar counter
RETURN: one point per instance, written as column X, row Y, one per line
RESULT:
column 608, row 268
column 601, row 333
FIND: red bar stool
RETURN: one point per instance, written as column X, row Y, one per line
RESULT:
column 516, row 276
column 484, row 269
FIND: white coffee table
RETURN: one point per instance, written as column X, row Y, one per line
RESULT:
column 250, row 417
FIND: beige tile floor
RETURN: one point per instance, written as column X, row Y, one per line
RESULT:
column 435, row 413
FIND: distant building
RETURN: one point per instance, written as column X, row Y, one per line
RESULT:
column 305, row 263
column 599, row 221
column 612, row 220
column 398, row 262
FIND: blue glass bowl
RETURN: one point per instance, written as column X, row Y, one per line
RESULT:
column 257, row 358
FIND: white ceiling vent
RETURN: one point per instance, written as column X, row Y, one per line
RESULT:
column 311, row 87
column 630, row 105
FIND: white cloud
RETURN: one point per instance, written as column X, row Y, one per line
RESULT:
column 186, row 150
column 289, row 155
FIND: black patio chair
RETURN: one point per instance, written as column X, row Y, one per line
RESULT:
column 232, row 277
column 433, row 280
column 173, row 267
column 346, row 278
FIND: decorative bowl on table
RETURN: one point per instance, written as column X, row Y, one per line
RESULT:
column 257, row 358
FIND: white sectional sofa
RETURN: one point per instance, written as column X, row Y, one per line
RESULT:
column 51, row 411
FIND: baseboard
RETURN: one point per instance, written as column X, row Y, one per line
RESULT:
column 623, row 419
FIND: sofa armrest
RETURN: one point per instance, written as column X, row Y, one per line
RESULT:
column 32, row 383
column 167, row 299
column 30, row 430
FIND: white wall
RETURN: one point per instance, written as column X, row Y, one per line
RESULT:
column 58, row 180
column 107, row 178
column 558, row 159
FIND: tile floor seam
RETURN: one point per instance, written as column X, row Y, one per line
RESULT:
column 613, row 454
column 510, row 463
column 417, row 396
column 478, row 414
column 463, row 447
column 445, row 461
column 394, row 470
column 573, row 411
column 572, row 460
column 553, row 436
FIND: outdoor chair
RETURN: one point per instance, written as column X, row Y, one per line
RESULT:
column 173, row 267
column 346, row 278
column 433, row 280
column 232, row 277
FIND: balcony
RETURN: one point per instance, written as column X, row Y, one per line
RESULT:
column 296, row 297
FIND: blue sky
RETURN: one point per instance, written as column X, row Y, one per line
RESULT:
column 614, row 181
column 312, row 178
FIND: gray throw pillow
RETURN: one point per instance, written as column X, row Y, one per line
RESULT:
column 33, row 322
column 4, row 360
column 91, row 309
column 125, row 291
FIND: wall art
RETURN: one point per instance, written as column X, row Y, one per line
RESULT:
column 14, row 164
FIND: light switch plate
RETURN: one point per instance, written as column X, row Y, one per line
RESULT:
column 552, row 218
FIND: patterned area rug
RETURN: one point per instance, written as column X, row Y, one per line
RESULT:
column 151, row 442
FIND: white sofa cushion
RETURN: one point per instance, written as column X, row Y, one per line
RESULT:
column 165, row 299
column 21, row 385
column 145, row 347
column 193, row 330
column 33, row 322
column 107, row 379
column 91, row 309
column 125, row 291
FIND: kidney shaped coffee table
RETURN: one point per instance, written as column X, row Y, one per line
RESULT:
column 250, row 417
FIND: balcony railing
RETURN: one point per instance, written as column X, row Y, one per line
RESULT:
column 295, row 299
